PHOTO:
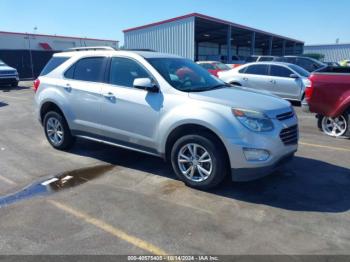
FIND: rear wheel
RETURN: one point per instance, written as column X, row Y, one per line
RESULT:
column 335, row 127
column 199, row 161
column 57, row 131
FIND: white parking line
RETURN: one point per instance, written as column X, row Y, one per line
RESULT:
column 327, row 147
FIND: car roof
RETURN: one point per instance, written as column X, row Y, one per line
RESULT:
column 144, row 54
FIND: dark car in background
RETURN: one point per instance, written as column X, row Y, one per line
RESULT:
column 309, row 64
column 8, row 75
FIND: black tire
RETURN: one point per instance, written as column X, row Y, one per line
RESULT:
column 216, row 152
column 14, row 84
column 346, row 115
column 67, row 140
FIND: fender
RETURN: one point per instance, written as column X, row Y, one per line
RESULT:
column 53, row 95
column 343, row 105
column 188, row 114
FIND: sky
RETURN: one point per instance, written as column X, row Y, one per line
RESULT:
column 312, row 21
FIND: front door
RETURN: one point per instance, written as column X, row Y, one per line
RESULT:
column 130, row 115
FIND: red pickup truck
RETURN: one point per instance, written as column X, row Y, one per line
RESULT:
column 329, row 97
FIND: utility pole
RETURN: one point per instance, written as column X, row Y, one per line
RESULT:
column 30, row 50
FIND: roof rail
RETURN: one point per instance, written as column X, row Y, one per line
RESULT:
column 139, row 49
column 90, row 48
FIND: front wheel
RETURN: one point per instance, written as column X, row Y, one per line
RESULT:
column 199, row 161
column 335, row 127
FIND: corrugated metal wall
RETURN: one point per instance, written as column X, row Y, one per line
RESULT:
column 333, row 53
column 176, row 37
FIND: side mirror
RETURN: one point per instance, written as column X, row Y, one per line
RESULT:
column 146, row 84
column 295, row 76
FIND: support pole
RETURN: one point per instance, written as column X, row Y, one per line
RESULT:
column 270, row 45
column 284, row 48
column 252, row 47
column 229, row 47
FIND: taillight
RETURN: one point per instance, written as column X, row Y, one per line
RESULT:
column 36, row 85
column 309, row 91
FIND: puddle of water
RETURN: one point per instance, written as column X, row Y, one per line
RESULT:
column 60, row 182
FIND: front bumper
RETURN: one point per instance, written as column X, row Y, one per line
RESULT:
column 281, row 143
column 249, row 174
column 8, row 80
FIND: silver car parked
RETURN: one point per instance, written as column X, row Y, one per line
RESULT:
column 166, row 106
column 282, row 79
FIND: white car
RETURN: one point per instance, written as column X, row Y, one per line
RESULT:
column 282, row 79
column 8, row 75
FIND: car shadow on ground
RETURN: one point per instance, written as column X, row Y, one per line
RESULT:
column 2, row 104
column 303, row 185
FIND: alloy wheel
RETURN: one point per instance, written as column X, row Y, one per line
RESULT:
column 335, row 127
column 54, row 131
column 195, row 162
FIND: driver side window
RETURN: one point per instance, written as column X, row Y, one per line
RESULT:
column 124, row 71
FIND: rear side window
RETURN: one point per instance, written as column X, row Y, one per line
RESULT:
column 251, row 59
column 265, row 59
column 88, row 69
column 257, row 70
column 53, row 64
column 291, row 60
column 242, row 71
column 280, row 71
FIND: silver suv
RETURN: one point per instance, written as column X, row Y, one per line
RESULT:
column 166, row 106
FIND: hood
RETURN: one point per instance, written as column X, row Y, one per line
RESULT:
column 245, row 99
column 6, row 68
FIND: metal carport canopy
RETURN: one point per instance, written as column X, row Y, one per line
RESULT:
column 214, row 30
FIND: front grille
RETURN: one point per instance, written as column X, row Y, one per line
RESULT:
column 285, row 116
column 12, row 72
column 289, row 136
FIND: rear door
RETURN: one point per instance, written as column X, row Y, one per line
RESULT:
column 282, row 84
column 82, row 88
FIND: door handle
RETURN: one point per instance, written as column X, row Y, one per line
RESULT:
column 109, row 96
column 273, row 81
column 245, row 79
column 68, row 88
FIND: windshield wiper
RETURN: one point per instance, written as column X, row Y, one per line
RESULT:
column 218, row 86
column 204, row 89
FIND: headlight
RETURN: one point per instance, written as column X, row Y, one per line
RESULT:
column 253, row 120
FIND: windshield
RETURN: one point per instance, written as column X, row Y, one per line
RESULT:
column 185, row 75
column 301, row 71
column 222, row 66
